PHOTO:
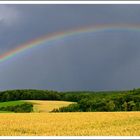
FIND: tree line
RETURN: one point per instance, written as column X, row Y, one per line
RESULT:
column 84, row 100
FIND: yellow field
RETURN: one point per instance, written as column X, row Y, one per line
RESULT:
column 46, row 106
column 70, row 124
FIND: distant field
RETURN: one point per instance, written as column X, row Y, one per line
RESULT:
column 46, row 106
column 11, row 103
column 38, row 105
column 70, row 124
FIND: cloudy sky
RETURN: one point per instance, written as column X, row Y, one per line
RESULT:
column 106, row 60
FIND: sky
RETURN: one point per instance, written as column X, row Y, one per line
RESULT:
column 107, row 60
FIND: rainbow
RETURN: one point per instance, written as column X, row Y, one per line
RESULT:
column 61, row 35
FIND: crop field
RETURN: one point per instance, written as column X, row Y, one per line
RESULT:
column 70, row 124
column 46, row 106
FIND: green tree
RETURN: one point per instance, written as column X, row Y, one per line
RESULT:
column 110, row 105
column 131, row 106
column 124, row 105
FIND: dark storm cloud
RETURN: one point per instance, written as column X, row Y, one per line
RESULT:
column 95, row 61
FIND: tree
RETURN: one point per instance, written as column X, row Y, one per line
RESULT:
column 110, row 106
column 124, row 105
column 131, row 106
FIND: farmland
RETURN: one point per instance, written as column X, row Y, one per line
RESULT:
column 51, row 113
column 46, row 106
column 70, row 124
column 16, row 106
column 86, row 101
column 38, row 105
column 11, row 103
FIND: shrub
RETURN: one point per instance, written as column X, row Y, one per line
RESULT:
column 26, row 107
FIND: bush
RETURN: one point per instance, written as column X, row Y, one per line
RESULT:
column 26, row 107
column 70, row 108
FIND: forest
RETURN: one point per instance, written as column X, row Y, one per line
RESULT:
column 85, row 101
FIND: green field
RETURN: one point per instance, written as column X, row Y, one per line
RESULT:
column 16, row 106
column 11, row 103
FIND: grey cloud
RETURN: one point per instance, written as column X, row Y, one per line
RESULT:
column 95, row 61
column 8, row 15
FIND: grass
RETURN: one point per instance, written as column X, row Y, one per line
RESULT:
column 47, row 106
column 70, row 124
column 11, row 103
